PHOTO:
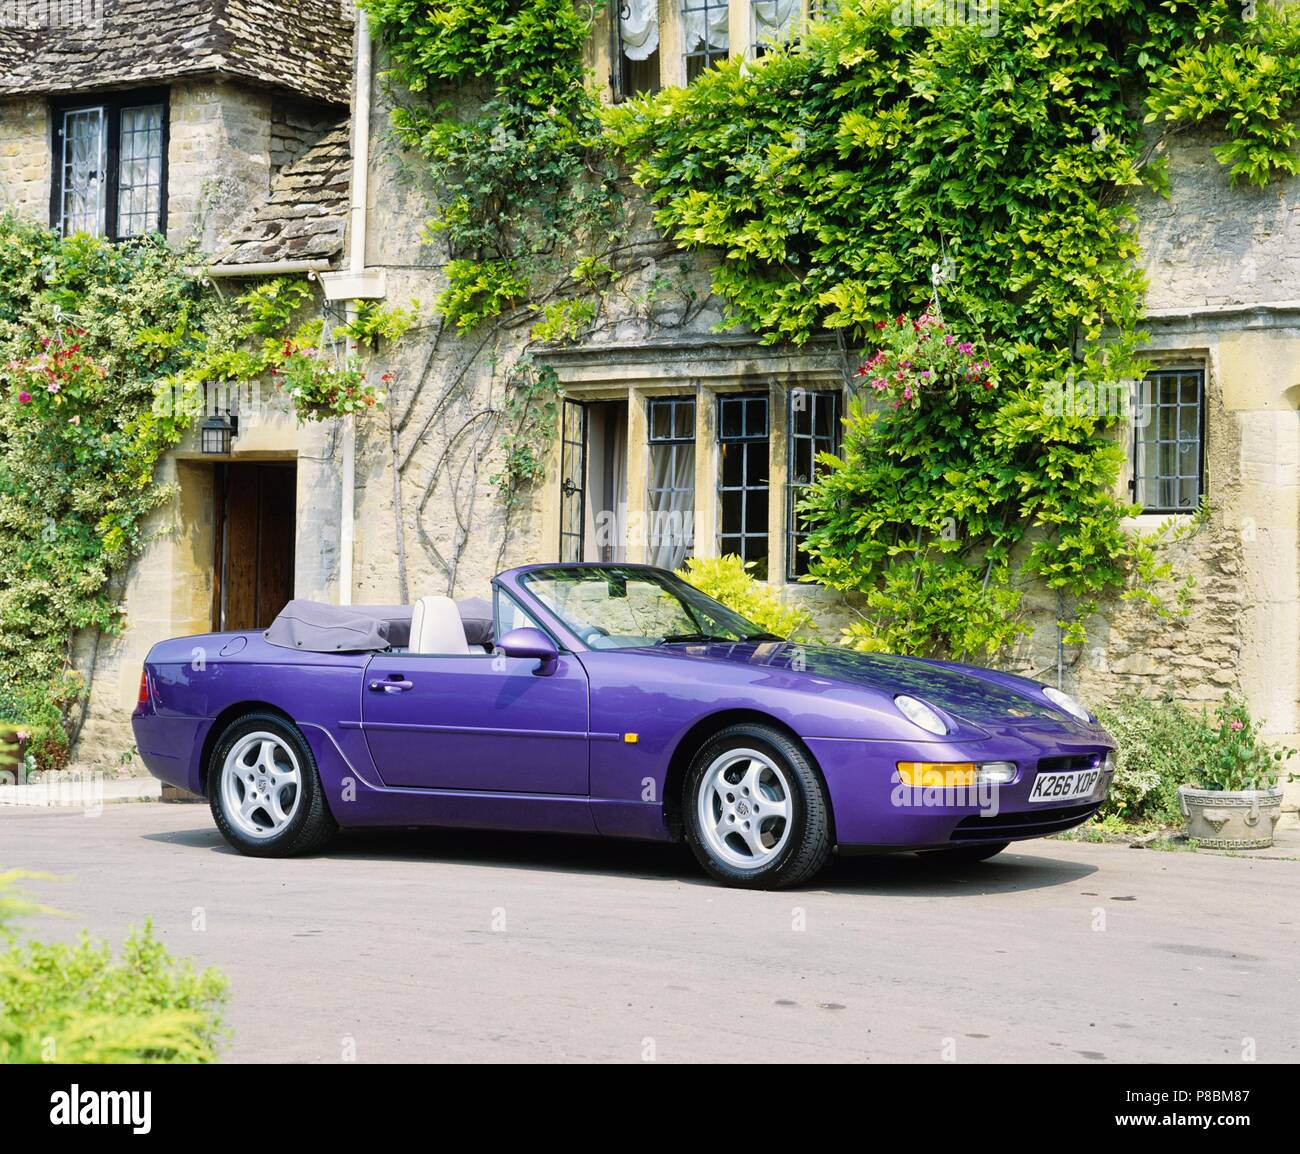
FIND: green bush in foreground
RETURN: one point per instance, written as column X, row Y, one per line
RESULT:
column 78, row 1003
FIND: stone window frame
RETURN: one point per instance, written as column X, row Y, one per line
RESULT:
column 1172, row 345
column 603, row 48
column 1162, row 369
column 708, row 465
column 113, row 103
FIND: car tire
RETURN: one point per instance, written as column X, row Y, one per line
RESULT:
column 265, row 791
column 755, row 809
column 960, row 855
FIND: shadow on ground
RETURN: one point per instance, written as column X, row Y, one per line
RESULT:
column 886, row 875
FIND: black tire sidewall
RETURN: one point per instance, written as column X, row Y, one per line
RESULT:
column 284, row 841
column 798, row 771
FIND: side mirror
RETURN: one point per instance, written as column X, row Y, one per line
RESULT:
column 529, row 642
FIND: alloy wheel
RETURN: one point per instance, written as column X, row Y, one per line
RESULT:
column 261, row 784
column 744, row 809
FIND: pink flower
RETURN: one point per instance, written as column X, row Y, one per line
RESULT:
column 1237, row 727
column 54, row 386
column 966, row 347
column 907, row 393
column 24, row 398
column 948, row 339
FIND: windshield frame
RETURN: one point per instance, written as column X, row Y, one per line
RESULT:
column 697, row 606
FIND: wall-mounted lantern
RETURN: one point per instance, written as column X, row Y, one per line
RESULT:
column 219, row 427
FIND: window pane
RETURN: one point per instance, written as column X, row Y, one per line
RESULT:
column 638, row 37
column 573, row 480
column 83, row 159
column 814, row 429
column 743, row 481
column 139, row 179
column 775, row 22
column 1167, row 441
column 671, row 492
column 704, row 34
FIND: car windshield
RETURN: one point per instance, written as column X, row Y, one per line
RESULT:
column 613, row 607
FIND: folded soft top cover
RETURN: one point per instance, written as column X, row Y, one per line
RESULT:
column 320, row 628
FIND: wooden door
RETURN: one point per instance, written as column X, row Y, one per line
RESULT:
column 256, row 526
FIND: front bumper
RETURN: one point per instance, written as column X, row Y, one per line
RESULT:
column 873, row 810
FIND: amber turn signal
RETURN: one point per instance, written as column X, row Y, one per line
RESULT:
column 937, row 774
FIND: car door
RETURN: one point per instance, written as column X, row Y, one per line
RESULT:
column 477, row 722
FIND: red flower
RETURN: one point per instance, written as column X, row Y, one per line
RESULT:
column 24, row 398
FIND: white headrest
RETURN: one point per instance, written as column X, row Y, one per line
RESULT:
column 436, row 627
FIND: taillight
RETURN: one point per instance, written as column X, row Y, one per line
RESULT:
column 143, row 699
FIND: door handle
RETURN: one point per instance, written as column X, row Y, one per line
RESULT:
column 398, row 686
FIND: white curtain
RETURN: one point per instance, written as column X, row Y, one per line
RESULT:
column 638, row 28
column 140, row 170
column 774, row 20
column 616, row 477
column 706, row 27
column 672, row 504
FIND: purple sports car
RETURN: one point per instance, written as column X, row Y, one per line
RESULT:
column 614, row 700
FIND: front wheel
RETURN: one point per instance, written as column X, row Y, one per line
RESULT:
column 265, row 793
column 755, row 809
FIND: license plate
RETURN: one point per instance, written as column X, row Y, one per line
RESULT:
column 1064, row 786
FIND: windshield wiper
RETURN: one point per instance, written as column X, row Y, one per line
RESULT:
column 673, row 638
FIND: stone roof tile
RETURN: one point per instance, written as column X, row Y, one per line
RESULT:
column 303, row 46
column 304, row 216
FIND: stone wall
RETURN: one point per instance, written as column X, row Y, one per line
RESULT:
column 218, row 159
column 25, row 158
column 295, row 126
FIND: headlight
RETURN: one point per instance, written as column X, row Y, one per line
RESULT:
column 996, row 772
column 918, row 713
column 1067, row 703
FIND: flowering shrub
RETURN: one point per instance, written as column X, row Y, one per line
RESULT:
column 915, row 359
column 323, row 385
column 1161, row 745
column 1235, row 756
column 90, row 333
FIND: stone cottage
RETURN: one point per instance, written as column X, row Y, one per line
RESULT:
column 662, row 414
column 223, row 125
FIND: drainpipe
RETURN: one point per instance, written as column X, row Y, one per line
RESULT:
column 356, row 264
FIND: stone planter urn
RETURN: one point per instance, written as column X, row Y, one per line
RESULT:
column 1231, row 819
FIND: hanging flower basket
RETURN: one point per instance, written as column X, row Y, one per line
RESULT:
column 919, row 361
column 324, row 385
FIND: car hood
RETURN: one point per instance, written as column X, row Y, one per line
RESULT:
column 981, row 696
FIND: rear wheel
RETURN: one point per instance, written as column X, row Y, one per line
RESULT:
column 964, row 854
column 264, row 790
column 755, row 809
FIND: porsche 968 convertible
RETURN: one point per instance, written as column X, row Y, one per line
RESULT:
column 610, row 700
